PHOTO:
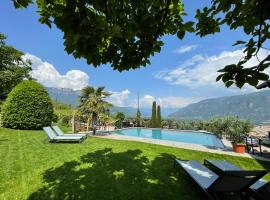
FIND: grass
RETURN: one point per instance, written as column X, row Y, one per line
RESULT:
column 98, row 168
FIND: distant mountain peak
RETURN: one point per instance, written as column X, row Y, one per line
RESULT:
column 253, row 106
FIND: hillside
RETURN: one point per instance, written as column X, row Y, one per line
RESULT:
column 253, row 106
column 64, row 95
column 128, row 111
column 70, row 97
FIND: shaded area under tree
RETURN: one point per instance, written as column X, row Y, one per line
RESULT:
column 106, row 175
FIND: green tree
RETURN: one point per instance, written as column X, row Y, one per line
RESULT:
column 13, row 69
column 158, row 117
column 250, row 16
column 154, row 115
column 28, row 106
column 138, row 118
column 92, row 104
column 120, row 117
column 126, row 33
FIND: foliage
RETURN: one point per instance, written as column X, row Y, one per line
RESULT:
column 231, row 127
column 92, row 104
column 133, row 122
column 138, row 118
column 158, row 117
column 120, row 117
column 64, row 112
column 105, row 119
column 128, row 32
column 251, row 16
column 28, row 106
column 65, row 120
column 13, row 69
column 154, row 115
column 124, row 33
column 61, row 106
column 33, row 169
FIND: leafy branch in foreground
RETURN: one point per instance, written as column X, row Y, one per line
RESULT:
column 251, row 15
column 124, row 33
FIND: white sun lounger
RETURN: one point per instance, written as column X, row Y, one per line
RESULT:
column 54, row 138
column 59, row 132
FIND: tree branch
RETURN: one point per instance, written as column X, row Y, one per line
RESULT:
column 263, row 61
column 106, row 11
column 165, row 10
column 259, row 44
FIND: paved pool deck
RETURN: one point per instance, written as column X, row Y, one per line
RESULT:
column 227, row 150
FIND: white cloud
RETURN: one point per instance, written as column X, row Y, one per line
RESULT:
column 185, row 49
column 146, row 101
column 201, row 70
column 124, row 98
column 176, row 102
column 46, row 74
column 168, row 102
column 120, row 98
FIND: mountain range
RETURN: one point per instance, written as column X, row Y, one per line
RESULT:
column 253, row 106
column 69, row 96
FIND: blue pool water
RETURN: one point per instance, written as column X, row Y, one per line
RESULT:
column 194, row 137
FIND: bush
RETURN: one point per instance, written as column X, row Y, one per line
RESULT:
column 28, row 106
column 65, row 120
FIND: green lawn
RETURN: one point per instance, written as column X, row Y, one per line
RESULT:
column 98, row 168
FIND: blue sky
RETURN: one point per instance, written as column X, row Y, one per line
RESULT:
column 183, row 72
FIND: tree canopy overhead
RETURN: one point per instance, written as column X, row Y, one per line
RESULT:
column 126, row 33
column 253, row 17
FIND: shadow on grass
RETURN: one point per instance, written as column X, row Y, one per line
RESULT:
column 108, row 175
column 3, row 140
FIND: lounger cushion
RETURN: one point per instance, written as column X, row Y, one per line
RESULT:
column 259, row 184
column 60, row 133
column 68, row 137
column 54, row 137
column 225, row 165
column 201, row 174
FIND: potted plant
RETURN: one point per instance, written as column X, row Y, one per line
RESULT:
column 239, row 146
column 237, row 139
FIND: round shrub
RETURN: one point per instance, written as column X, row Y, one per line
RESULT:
column 28, row 106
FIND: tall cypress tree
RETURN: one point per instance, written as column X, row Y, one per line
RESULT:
column 158, row 117
column 154, row 115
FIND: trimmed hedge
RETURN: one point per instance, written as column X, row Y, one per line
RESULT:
column 28, row 106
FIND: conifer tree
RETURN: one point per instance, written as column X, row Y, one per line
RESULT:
column 158, row 117
column 154, row 115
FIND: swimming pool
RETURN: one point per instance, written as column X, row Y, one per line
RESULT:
column 194, row 137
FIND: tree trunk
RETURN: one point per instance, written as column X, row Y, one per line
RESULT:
column 87, row 125
column 94, row 123
column 73, row 123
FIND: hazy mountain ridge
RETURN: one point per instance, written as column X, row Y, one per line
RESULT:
column 64, row 95
column 69, row 96
column 254, row 107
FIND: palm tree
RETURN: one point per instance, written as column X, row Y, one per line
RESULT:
column 92, row 104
